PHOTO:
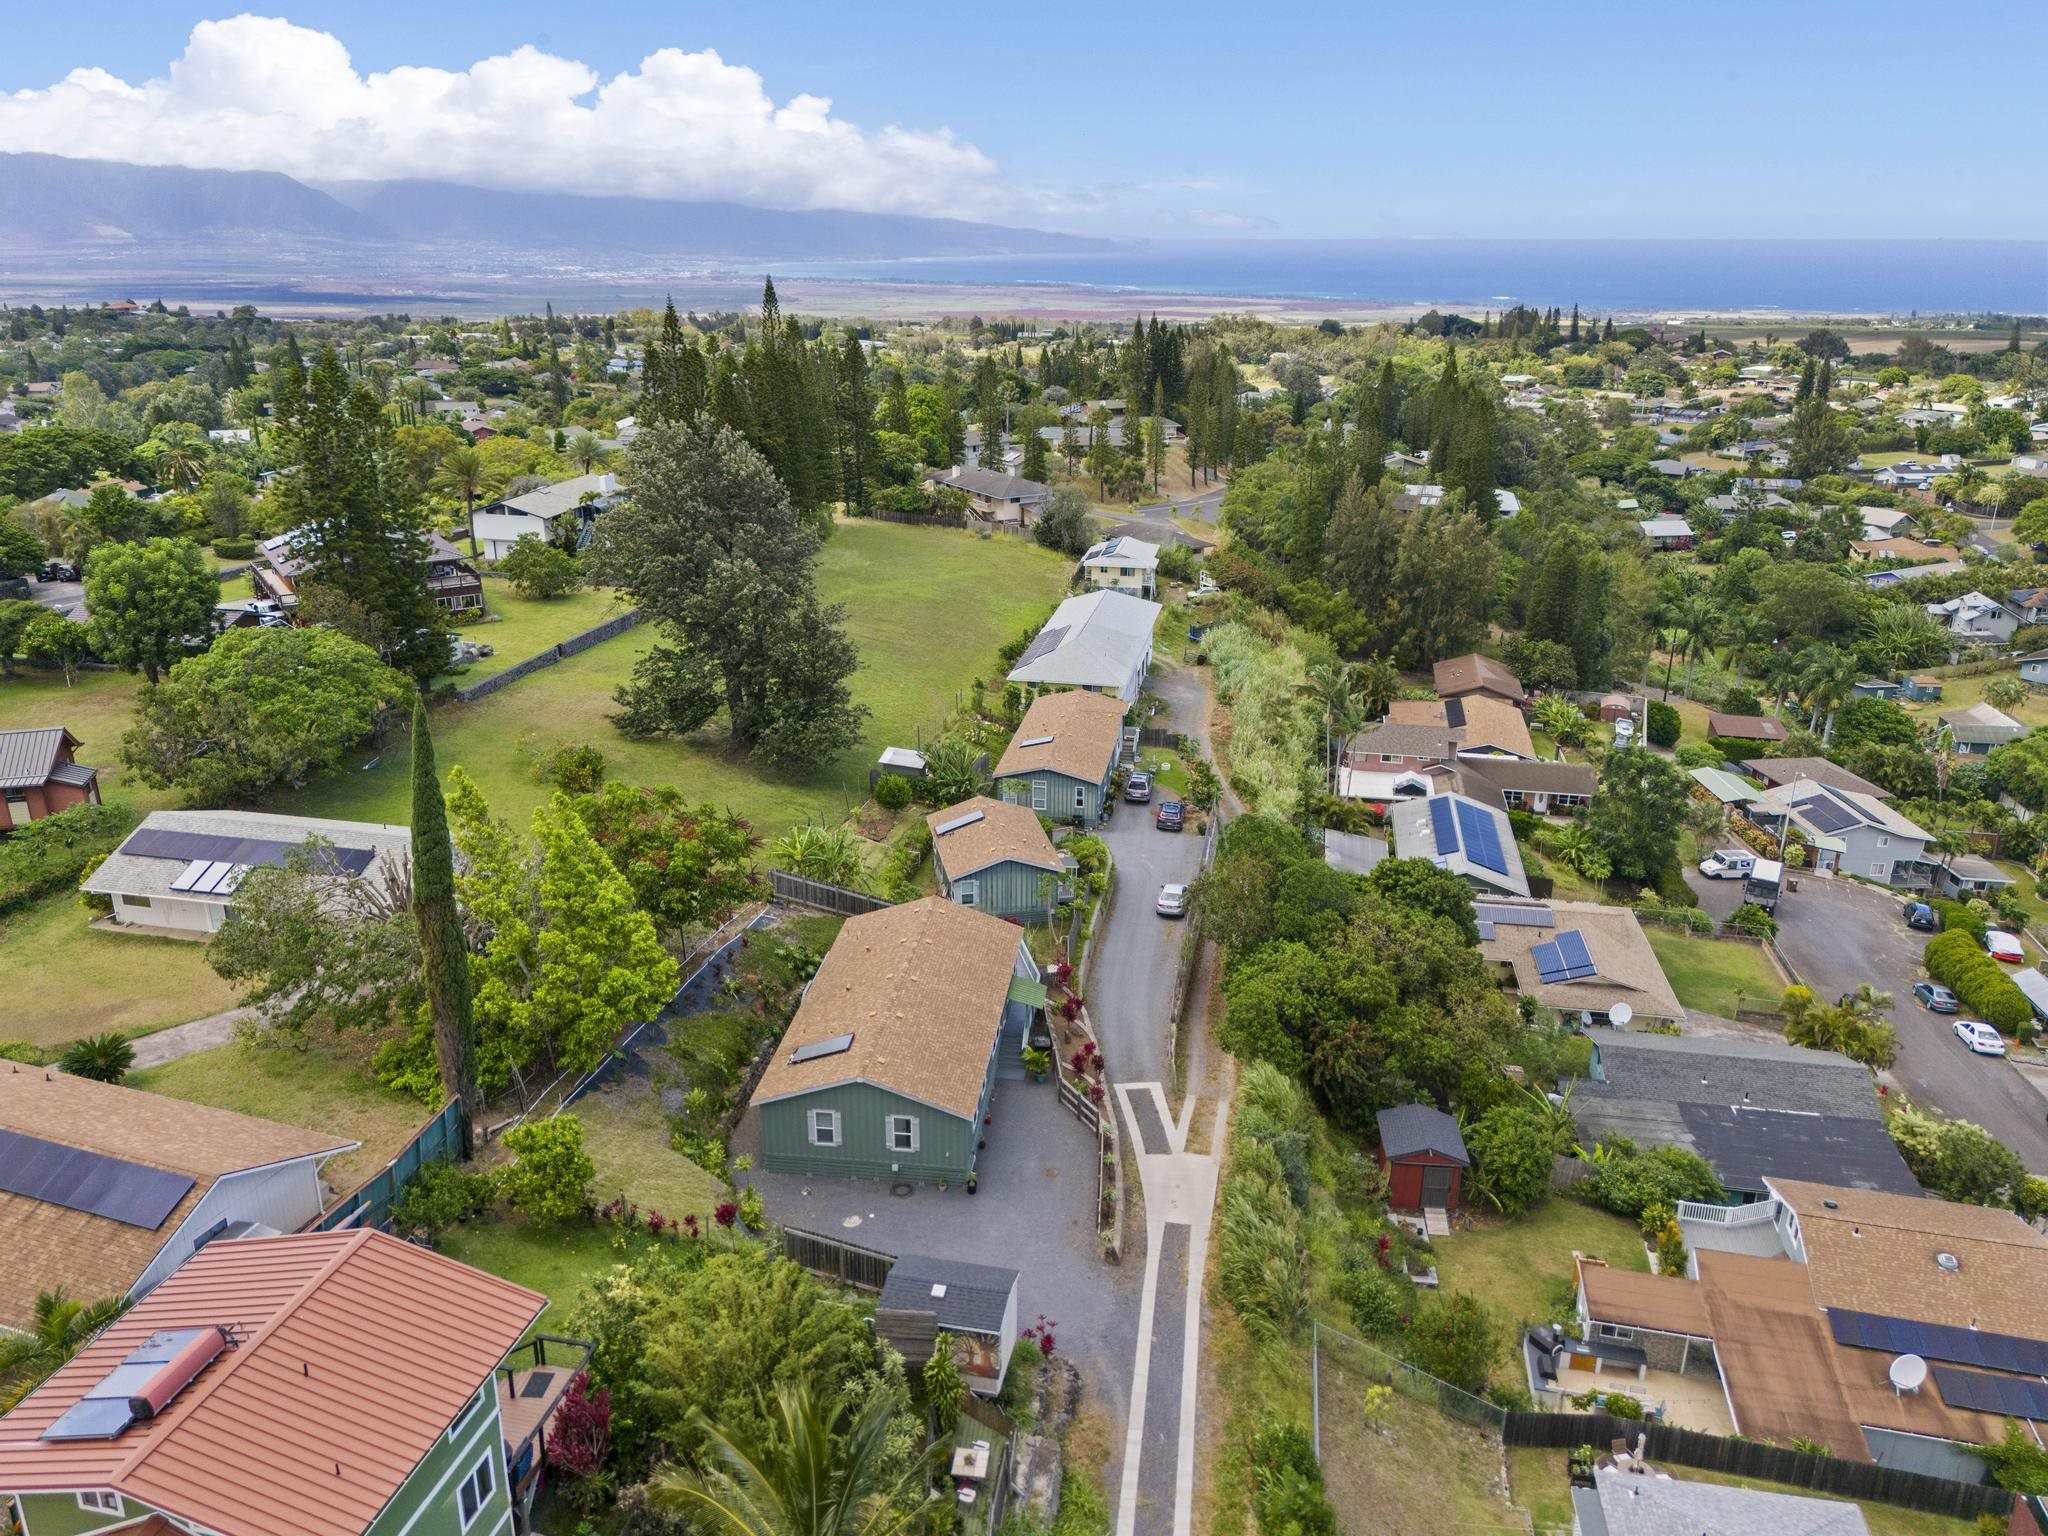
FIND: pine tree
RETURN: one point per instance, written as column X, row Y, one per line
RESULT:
column 1608, row 333
column 443, row 947
column 1035, row 465
column 856, row 424
column 1445, row 403
column 1572, row 336
column 1805, row 391
column 558, row 383
column 1155, row 433
column 896, row 405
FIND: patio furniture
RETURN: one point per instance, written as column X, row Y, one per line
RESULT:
column 970, row 1462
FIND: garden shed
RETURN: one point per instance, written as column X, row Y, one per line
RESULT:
column 1424, row 1156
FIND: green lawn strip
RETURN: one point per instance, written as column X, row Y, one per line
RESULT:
column 526, row 626
column 325, row 1087
column 1515, row 1267
column 927, row 609
column 62, row 979
column 1962, row 692
column 237, row 588
column 556, row 1261
column 626, row 1135
column 1715, row 975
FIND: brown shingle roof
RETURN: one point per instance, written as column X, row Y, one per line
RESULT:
column 1542, row 778
column 1665, row 1303
column 1626, row 967
column 1787, row 770
column 92, row 1256
column 1876, row 1252
column 1086, row 731
column 1775, row 1352
column 1003, row 832
column 1473, row 673
column 921, row 989
column 357, row 1351
column 1491, row 722
column 1745, row 727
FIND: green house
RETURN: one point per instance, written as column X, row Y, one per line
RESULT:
column 319, row 1384
column 889, row 1066
column 996, row 857
column 1060, row 760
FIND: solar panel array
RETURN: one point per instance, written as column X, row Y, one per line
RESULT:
column 1443, row 821
column 1454, row 712
column 2012, row 1397
column 1826, row 815
column 1507, row 916
column 206, row 877
column 108, row 1408
column 817, row 1048
column 213, row 848
column 1481, row 836
column 1564, row 958
column 78, row 1180
column 1048, row 641
column 1938, row 1341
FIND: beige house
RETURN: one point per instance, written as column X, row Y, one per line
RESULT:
column 1577, row 957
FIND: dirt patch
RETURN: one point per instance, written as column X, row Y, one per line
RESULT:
column 1414, row 1472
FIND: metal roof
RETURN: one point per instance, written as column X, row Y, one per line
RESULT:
column 29, row 758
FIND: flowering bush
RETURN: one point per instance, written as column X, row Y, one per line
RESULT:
column 582, row 1429
column 726, row 1214
column 1041, row 1334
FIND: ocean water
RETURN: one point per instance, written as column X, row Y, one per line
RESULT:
column 1801, row 276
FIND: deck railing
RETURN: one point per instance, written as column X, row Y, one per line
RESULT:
column 1725, row 1215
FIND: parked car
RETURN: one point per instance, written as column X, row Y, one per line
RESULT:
column 1173, row 901
column 1169, row 816
column 1934, row 997
column 1981, row 1038
column 1138, row 788
column 59, row 570
column 1624, row 731
column 1922, row 916
column 1728, row 864
column 2000, row 945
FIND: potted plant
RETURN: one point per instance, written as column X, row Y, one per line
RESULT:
column 1038, row 1063
column 973, row 1182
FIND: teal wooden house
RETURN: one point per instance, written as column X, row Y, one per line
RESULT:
column 1060, row 760
column 888, row 1069
column 319, row 1384
column 996, row 857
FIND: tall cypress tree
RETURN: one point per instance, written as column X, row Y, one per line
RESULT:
column 442, row 944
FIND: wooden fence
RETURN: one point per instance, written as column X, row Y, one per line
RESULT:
column 572, row 646
column 1771, row 1463
column 369, row 1205
column 910, row 1331
column 824, row 896
column 847, row 1263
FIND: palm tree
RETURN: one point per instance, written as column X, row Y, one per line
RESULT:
column 1743, row 634
column 62, row 1327
column 2007, row 693
column 806, row 1476
column 586, row 450
column 1826, row 677
column 1329, row 685
column 461, row 473
column 1375, row 683
column 1867, row 1002
column 103, row 1058
column 1562, row 720
column 1701, row 621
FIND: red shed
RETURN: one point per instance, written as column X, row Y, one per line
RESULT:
column 1424, row 1158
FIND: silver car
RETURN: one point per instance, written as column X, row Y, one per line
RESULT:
column 1173, row 901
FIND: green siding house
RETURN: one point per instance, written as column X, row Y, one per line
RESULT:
column 319, row 1384
column 1060, row 760
column 995, row 857
column 889, row 1066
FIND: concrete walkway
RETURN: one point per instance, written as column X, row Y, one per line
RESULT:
column 154, row 1050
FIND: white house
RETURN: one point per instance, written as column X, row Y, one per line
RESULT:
column 1975, row 618
column 177, row 872
column 1123, row 564
column 1100, row 641
column 535, row 514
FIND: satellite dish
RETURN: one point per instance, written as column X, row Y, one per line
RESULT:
column 1620, row 1014
column 1908, row 1373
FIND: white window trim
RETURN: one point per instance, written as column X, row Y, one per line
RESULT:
column 1615, row 1333
column 101, row 1501
column 468, row 1411
column 484, row 1489
column 824, row 1119
column 1080, row 797
column 967, row 892
column 1038, row 795
column 896, row 1121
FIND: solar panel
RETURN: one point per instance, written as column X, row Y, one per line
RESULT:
column 1048, row 641
column 1515, row 917
column 1938, row 1341
column 1443, row 821
column 2013, row 1397
column 213, row 848
column 209, row 882
column 1564, row 958
column 958, row 822
column 1485, row 928
column 1481, row 837
column 1454, row 712
column 79, row 1180
column 190, row 873
column 817, row 1048
column 1035, row 741
column 110, row 1407
column 1826, row 815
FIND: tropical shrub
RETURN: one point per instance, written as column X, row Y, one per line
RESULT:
column 550, row 1180
column 1664, row 724
column 103, row 1058
column 1287, row 1497
column 1454, row 1340
column 438, row 1197
column 892, row 792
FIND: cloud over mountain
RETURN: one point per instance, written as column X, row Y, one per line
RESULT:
column 259, row 93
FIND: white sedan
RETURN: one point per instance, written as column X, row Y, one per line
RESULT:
column 1981, row 1038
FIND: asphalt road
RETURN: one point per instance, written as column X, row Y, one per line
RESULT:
column 1205, row 506
column 1130, row 984
column 67, row 597
column 1838, row 935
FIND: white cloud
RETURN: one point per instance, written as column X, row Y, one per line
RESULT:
column 258, row 93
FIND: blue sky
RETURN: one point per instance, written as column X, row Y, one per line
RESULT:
column 1815, row 118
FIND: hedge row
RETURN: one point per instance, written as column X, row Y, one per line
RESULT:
column 1959, row 963
column 1957, row 915
column 234, row 549
column 51, row 854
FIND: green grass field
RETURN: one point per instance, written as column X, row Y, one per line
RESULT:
column 61, row 979
column 1716, row 975
column 1514, row 1266
column 927, row 609
column 97, row 711
column 526, row 626
column 1962, row 692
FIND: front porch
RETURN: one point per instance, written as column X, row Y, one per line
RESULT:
column 532, row 1381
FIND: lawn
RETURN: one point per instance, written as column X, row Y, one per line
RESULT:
column 1716, row 975
column 927, row 609
column 1961, row 692
column 1540, row 1486
column 1516, row 1266
column 326, row 1087
column 61, row 979
column 626, row 1135
column 97, row 711
column 558, row 1262
column 526, row 626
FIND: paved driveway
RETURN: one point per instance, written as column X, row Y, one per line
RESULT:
column 1839, row 934
column 67, row 597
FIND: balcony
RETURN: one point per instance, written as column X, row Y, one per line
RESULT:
column 531, row 1383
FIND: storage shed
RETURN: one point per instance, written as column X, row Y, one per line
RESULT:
column 975, row 1303
column 1424, row 1156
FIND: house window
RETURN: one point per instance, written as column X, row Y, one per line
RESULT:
column 135, row 901
column 104, row 1503
column 824, row 1127
column 1389, row 757
column 1884, row 842
column 468, row 1412
column 1513, row 798
column 1879, row 869
column 476, row 1489
column 1038, row 796
column 1080, row 797
column 967, row 892
column 17, row 811
column 903, row 1133
column 1614, row 1333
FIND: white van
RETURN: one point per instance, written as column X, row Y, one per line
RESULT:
column 1728, row 864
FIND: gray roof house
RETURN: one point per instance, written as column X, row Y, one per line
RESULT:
column 1100, row 641
column 1975, row 618
column 1635, row 1502
column 994, row 495
column 1463, row 835
column 177, row 872
column 1855, row 833
column 1977, row 728
column 975, row 1303
column 497, row 527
